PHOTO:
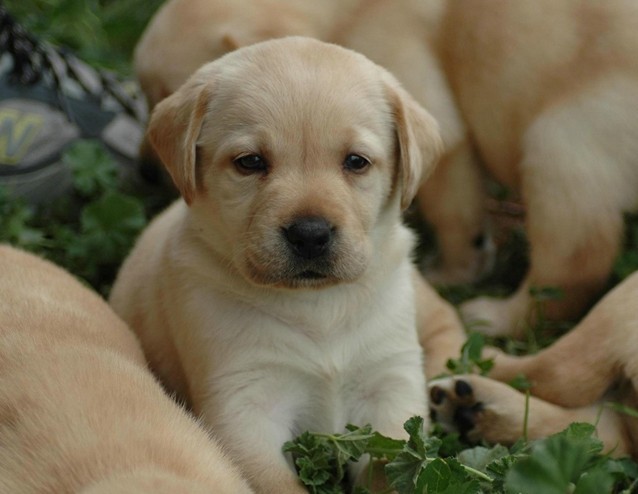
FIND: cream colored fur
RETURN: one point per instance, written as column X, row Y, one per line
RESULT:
column 79, row 411
column 225, row 309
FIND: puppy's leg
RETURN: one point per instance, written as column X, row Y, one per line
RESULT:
column 580, row 367
column 392, row 391
column 578, row 174
column 480, row 408
column 253, row 425
column 561, row 257
column 452, row 201
column 440, row 330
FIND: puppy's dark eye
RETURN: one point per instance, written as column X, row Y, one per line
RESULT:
column 355, row 163
column 251, row 163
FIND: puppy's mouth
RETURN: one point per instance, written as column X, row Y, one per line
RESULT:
column 296, row 276
column 311, row 275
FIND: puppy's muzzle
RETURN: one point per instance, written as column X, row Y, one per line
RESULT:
column 309, row 237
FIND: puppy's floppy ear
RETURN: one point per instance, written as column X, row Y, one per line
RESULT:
column 174, row 128
column 420, row 144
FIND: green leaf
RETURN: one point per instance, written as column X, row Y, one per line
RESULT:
column 554, row 464
column 435, row 477
column 94, row 169
column 446, row 477
column 382, row 447
column 470, row 358
column 520, row 382
column 420, row 442
column 480, row 457
column 316, row 462
column 594, row 481
column 108, row 228
column 404, row 471
column 624, row 409
column 114, row 213
column 17, row 222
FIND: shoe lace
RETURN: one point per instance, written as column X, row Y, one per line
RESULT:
column 33, row 60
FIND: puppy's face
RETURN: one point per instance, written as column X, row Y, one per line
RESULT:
column 294, row 156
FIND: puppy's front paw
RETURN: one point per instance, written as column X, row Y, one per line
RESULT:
column 454, row 406
column 478, row 408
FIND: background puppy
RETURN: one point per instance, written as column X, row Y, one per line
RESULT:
column 542, row 93
column 79, row 411
column 569, row 381
column 278, row 296
column 548, row 90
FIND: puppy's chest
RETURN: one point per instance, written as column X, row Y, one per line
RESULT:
column 331, row 346
column 319, row 363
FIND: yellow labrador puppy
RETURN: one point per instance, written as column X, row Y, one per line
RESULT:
column 279, row 294
column 570, row 382
column 79, row 410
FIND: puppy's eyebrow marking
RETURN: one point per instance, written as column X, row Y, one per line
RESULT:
column 365, row 142
column 236, row 143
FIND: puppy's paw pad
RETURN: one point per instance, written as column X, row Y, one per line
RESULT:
column 453, row 405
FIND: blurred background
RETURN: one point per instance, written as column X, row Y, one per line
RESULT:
column 102, row 33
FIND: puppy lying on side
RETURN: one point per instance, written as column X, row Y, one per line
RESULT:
column 79, row 411
column 569, row 381
column 279, row 295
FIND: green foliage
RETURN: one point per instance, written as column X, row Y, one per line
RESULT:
column 471, row 359
column 88, row 231
column 567, row 462
column 101, row 32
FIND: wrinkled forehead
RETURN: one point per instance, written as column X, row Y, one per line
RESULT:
column 318, row 90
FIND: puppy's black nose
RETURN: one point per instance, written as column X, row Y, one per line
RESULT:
column 309, row 236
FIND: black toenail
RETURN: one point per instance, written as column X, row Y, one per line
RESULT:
column 462, row 389
column 437, row 395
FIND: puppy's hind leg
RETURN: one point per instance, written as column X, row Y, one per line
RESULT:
column 579, row 172
column 481, row 408
column 582, row 365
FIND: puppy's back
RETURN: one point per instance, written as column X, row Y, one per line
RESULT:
column 79, row 412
